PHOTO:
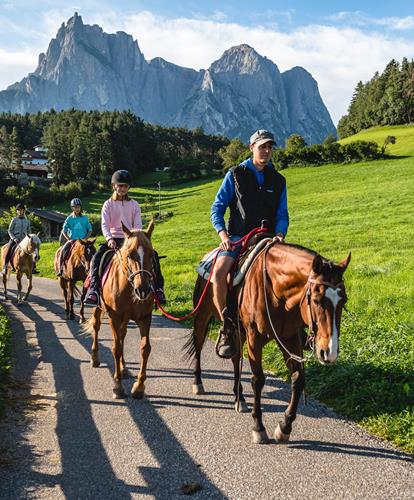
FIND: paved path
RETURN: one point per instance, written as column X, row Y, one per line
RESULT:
column 67, row 438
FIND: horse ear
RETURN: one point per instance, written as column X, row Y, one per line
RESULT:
column 150, row 228
column 345, row 263
column 125, row 230
column 317, row 264
column 38, row 234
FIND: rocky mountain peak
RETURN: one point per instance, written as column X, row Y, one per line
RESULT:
column 240, row 59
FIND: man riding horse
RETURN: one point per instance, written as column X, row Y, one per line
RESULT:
column 19, row 227
column 254, row 191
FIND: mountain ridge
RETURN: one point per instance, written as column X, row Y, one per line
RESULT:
column 86, row 68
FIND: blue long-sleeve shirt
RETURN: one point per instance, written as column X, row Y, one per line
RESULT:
column 226, row 193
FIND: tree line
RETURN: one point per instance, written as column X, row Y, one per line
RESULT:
column 386, row 99
column 87, row 146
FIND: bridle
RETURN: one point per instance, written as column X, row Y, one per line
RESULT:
column 132, row 274
column 313, row 324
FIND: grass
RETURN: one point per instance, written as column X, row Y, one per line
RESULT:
column 365, row 208
column 5, row 337
column 403, row 133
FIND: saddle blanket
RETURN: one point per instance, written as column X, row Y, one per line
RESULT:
column 204, row 268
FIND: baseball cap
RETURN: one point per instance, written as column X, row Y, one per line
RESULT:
column 262, row 136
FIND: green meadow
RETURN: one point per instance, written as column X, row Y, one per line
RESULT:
column 363, row 208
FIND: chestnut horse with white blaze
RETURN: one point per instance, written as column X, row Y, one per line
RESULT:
column 76, row 269
column 127, row 294
column 286, row 288
column 26, row 254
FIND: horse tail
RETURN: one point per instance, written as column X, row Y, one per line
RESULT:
column 190, row 347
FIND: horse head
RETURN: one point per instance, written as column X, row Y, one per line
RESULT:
column 322, row 306
column 87, row 249
column 31, row 245
column 138, row 256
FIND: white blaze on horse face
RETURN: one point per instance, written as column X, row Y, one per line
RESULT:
column 141, row 257
column 333, row 294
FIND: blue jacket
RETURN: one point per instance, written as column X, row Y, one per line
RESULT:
column 226, row 193
column 77, row 227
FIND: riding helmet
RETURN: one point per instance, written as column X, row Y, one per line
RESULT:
column 20, row 205
column 121, row 177
column 75, row 202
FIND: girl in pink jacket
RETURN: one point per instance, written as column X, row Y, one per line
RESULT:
column 120, row 208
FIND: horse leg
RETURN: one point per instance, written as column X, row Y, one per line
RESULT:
column 63, row 286
column 255, row 348
column 297, row 375
column 124, row 369
column 138, row 388
column 118, row 327
column 195, row 346
column 5, row 276
column 29, row 286
column 240, row 402
column 96, row 325
column 82, row 306
column 71, row 298
column 19, row 286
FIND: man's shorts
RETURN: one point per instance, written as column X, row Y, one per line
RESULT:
column 231, row 253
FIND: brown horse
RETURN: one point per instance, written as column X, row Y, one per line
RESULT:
column 23, row 260
column 76, row 269
column 127, row 294
column 286, row 288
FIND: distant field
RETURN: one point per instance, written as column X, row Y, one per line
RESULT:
column 404, row 134
column 366, row 208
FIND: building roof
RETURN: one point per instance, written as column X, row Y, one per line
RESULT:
column 33, row 154
column 35, row 168
column 50, row 215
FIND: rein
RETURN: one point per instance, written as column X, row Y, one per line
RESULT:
column 243, row 242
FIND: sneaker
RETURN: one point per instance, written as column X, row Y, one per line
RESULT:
column 160, row 296
column 92, row 298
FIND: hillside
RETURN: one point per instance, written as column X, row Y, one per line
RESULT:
column 404, row 134
column 364, row 208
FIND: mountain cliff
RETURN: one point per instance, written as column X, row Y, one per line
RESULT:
column 86, row 68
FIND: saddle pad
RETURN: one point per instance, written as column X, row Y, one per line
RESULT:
column 104, row 268
column 204, row 267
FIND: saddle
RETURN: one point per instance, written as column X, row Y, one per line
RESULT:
column 67, row 256
column 254, row 246
column 104, row 268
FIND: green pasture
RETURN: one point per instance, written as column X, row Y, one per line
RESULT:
column 404, row 145
column 364, row 208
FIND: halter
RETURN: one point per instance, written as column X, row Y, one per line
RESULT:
column 131, row 275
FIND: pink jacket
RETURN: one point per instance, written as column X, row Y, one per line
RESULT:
column 114, row 212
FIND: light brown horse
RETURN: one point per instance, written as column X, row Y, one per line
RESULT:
column 286, row 288
column 23, row 260
column 76, row 269
column 127, row 294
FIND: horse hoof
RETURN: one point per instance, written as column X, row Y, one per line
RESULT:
column 95, row 363
column 118, row 394
column 137, row 392
column 81, row 321
column 241, row 407
column 280, row 437
column 259, row 437
column 198, row 389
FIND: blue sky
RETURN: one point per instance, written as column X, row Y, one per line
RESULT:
column 339, row 43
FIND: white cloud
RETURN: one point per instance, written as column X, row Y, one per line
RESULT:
column 16, row 64
column 337, row 57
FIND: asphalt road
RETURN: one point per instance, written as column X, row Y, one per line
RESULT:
column 65, row 437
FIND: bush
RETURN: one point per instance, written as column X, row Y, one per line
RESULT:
column 95, row 221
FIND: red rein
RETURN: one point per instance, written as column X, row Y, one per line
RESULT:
column 243, row 242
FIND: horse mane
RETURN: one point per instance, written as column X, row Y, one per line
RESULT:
column 25, row 241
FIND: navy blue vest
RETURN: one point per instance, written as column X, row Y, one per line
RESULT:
column 253, row 203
